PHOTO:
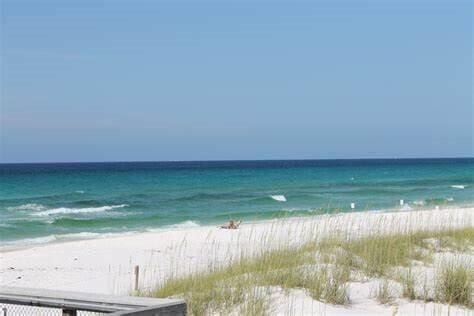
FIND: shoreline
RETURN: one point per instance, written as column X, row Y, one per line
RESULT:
column 27, row 243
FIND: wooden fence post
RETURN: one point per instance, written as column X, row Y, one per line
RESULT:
column 137, row 272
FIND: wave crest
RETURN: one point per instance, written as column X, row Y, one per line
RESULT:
column 279, row 198
column 65, row 210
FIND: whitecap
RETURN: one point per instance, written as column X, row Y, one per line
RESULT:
column 27, row 207
column 449, row 199
column 279, row 198
column 80, row 191
column 65, row 210
column 458, row 186
column 419, row 202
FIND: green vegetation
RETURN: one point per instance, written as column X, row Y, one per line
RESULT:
column 454, row 284
column 384, row 294
column 408, row 283
column 324, row 269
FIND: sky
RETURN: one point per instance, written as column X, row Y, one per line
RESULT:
column 217, row 80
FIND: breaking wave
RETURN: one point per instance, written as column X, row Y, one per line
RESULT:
column 65, row 210
column 458, row 186
column 279, row 198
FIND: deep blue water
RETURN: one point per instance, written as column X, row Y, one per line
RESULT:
column 45, row 202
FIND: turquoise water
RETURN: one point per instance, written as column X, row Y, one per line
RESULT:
column 47, row 202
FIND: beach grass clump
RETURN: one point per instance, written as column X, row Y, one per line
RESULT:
column 384, row 292
column 335, row 289
column 454, row 284
column 326, row 283
column 207, row 293
column 255, row 305
column 457, row 239
column 376, row 254
column 408, row 285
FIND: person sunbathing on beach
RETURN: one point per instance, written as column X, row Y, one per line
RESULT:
column 231, row 225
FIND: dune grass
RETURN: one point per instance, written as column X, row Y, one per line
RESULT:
column 384, row 293
column 408, row 284
column 454, row 284
column 323, row 269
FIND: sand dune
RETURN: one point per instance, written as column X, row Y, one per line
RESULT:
column 106, row 265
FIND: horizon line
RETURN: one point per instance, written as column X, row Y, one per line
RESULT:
column 232, row 160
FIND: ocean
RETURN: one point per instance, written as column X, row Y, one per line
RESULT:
column 41, row 203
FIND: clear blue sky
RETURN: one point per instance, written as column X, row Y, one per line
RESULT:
column 199, row 80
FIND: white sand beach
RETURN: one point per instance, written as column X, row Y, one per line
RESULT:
column 106, row 265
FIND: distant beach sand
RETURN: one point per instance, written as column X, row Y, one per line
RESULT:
column 106, row 265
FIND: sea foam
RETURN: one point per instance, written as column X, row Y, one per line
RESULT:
column 32, row 241
column 65, row 210
column 27, row 207
column 181, row 225
column 279, row 198
column 458, row 186
column 58, row 237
